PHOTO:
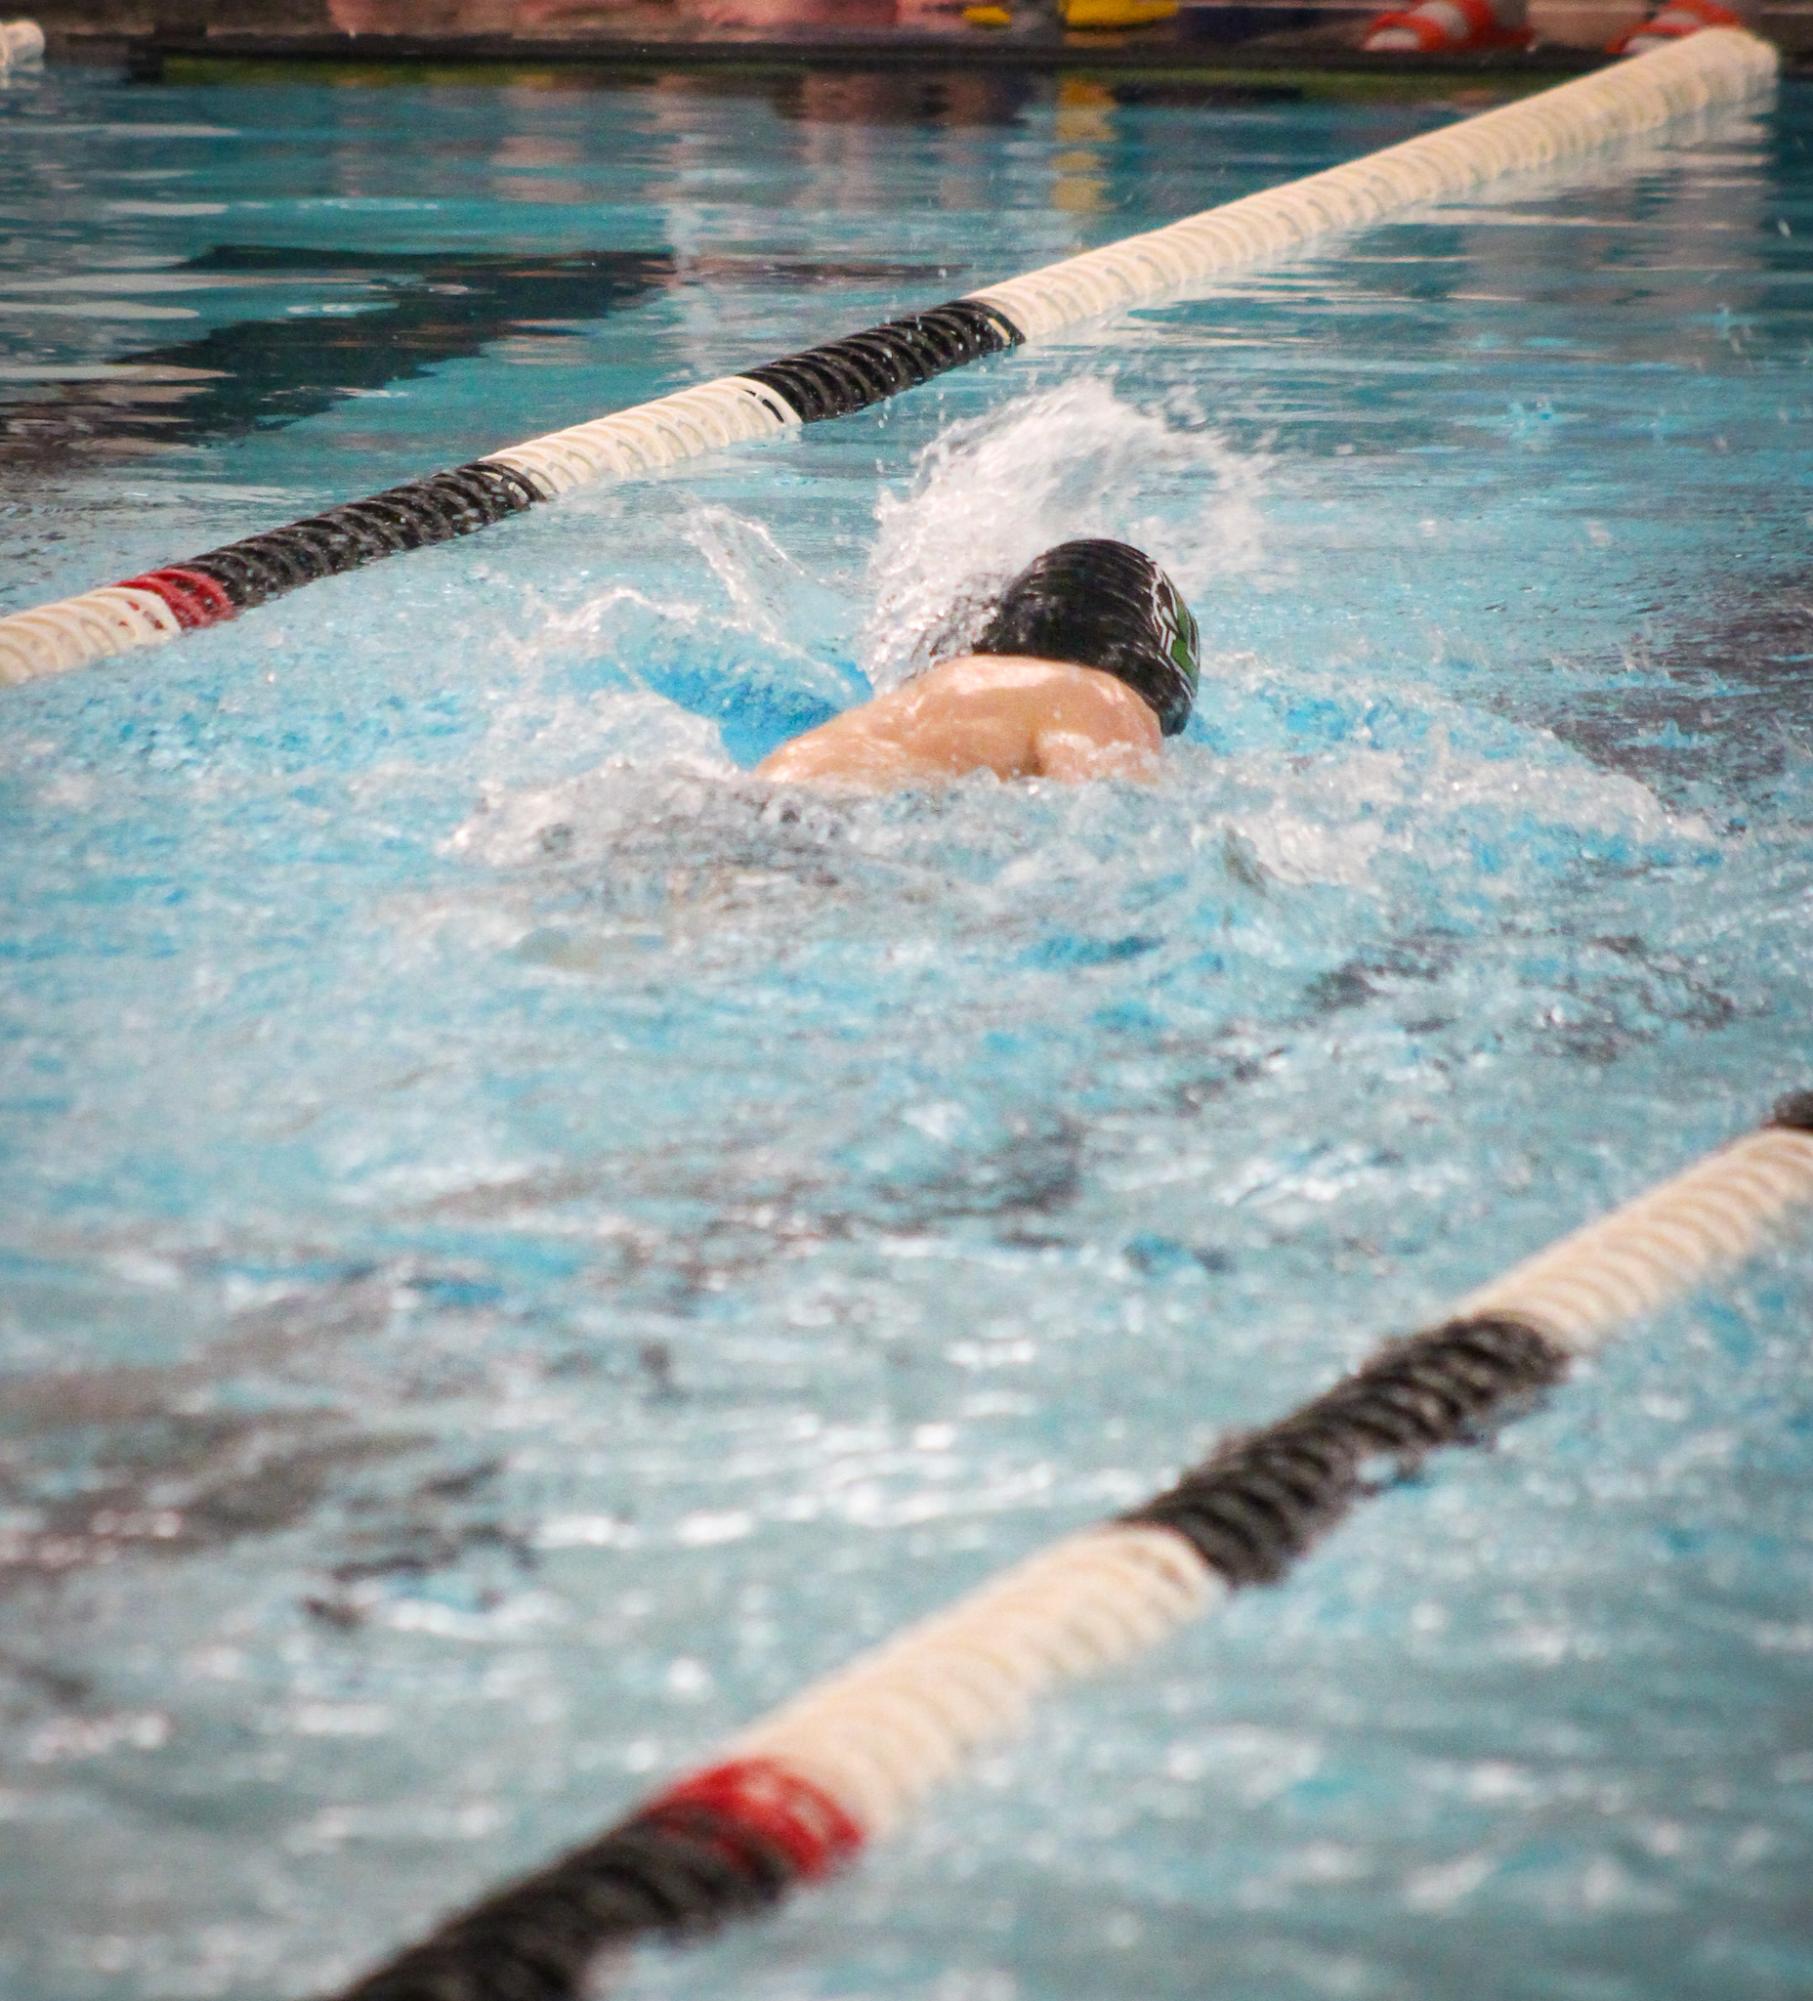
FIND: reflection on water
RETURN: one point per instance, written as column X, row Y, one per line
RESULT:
column 334, row 324
column 367, row 320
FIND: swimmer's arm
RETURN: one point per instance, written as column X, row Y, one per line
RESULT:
column 1075, row 756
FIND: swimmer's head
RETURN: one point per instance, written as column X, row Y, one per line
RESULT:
column 1104, row 605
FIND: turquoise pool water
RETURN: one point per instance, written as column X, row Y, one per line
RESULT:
column 518, row 1252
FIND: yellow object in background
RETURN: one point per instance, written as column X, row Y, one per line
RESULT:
column 988, row 17
column 1084, row 131
column 1116, row 13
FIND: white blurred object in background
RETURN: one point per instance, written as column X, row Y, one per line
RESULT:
column 21, row 42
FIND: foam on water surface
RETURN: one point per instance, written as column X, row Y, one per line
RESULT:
column 523, row 1244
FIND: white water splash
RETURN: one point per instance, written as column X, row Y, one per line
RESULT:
column 758, row 577
column 656, row 753
column 989, row 494
column 1339, row 816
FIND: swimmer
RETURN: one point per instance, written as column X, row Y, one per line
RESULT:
column 1087, row 662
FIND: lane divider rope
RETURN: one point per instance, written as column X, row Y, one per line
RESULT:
column 1719, row 66
column 799, row 1793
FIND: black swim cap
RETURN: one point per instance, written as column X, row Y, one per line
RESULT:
column 1103, row 604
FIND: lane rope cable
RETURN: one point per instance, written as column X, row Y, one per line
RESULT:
column 1716, row 67
column 800, row 1792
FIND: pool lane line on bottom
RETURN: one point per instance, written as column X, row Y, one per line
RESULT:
column 1639, row 94
column 799, row 1793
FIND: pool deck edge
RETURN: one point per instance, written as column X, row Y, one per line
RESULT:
column 1261, row 41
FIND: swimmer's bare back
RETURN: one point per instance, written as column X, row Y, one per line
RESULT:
column 1011, row 715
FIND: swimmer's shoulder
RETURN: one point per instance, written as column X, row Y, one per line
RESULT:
column 989, row 676
column 1065, row 695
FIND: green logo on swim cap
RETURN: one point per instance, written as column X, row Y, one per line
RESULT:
column 1177, row 629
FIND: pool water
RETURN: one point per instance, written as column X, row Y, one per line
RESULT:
column 520, row 1247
